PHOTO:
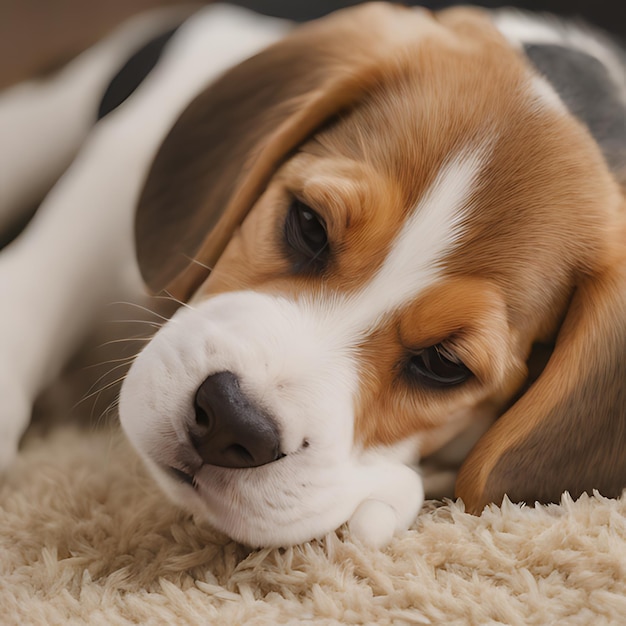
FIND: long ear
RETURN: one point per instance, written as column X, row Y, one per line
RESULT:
column 224, row 148
column 568, row 431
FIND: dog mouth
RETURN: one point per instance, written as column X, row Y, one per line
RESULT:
column 188, row 476
column 182, row 476
column 185, row 473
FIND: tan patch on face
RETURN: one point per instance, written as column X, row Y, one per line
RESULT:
column 469, row 318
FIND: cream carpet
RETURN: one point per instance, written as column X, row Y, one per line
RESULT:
column 85, row 538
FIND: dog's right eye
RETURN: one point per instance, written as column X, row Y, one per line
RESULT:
column 305, row 236
column 436, row 366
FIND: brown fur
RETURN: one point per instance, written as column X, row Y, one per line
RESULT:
column 569, row 429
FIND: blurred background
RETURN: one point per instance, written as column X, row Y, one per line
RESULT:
column 36, row 36
column 39, row 36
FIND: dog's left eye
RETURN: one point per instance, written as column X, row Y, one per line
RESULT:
column 436, row 366
column 305, row 235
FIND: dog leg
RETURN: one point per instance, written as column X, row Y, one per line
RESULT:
column 48, row 298
column 44, row 122
column 75, row 256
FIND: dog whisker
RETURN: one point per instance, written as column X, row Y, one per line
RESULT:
column 141, row 307
column 107, row 373
column 113, row 405
column 126, row 359
column 168, row 294
column 124, row 340
column 99, row 391
column 147, row 322
column 196, row 262
column 203, row 265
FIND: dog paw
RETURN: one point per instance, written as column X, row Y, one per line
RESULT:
column 15, row 412
column 374, row 523
column 394, row 500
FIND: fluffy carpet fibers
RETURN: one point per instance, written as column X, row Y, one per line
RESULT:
column 85, row 538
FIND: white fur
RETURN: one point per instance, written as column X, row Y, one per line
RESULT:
column 44, row 122
column 299, row 359
column 77, row 253
column 431, row 232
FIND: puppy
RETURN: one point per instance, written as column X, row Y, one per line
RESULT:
column 370, row 220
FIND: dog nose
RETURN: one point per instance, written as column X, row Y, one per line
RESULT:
column 230, row 431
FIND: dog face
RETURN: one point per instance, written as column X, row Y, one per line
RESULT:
column 417, row 216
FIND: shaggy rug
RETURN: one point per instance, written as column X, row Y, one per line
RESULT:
column 86, row 538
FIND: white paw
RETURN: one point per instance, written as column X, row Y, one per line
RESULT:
column 15, row 412
column 374, row 523
column 395, row 497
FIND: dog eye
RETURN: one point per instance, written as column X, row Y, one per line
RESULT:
column 305, row 234
column 436, row 366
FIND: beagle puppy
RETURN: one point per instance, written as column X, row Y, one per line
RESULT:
column 371, row 222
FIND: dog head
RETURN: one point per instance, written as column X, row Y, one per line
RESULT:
column 373, row 222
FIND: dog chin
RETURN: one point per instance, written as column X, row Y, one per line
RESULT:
column 278, row 505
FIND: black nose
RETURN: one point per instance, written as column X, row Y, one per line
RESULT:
column 230, row 431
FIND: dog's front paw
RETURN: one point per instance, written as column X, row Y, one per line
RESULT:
column 391, row 507
column 374, row 523
column 15, row 412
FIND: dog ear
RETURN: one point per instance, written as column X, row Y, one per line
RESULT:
column 224, row 148
column 568, row 431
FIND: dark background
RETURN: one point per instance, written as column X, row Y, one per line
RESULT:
column 610, row 14
column 37, row 36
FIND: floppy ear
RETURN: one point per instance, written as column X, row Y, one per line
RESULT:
column 219, row 156
column 568, row 431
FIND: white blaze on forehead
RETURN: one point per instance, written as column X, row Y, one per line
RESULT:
column 429, row 235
